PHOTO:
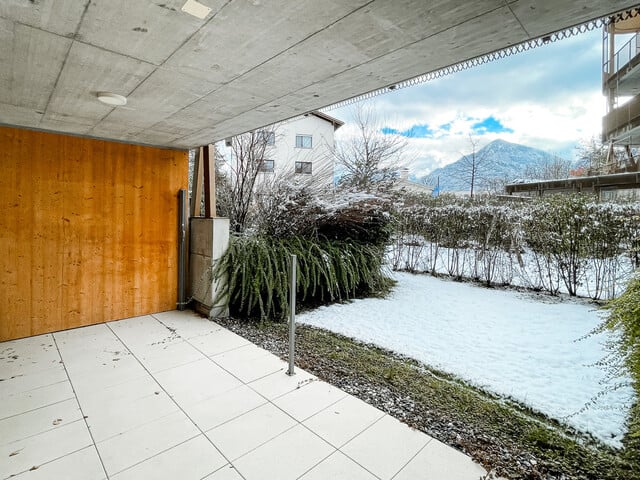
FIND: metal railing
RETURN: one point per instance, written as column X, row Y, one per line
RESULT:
column 621, row 118
column 623, row 56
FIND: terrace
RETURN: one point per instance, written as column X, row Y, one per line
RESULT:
column 173, row 395
column 89, row 230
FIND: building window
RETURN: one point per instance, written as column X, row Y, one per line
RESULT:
column 303, row 141
column 303, row 167
column 269, row 138
column 265, row 166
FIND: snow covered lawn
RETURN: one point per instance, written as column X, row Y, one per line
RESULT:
column 512, row 343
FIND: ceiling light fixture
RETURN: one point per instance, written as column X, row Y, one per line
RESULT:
column 195, row 8
column 112, row 99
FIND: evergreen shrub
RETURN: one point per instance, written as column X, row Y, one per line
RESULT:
column 257, row 268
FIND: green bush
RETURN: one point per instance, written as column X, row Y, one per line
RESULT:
column 623, row 320
column 257, row 269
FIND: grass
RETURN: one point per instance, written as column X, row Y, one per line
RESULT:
column 501, row 434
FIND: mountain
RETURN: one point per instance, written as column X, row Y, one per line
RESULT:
column 497, row 162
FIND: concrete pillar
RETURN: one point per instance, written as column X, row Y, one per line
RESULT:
column 209, row 240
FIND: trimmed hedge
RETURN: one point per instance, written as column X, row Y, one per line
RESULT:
column 561, row 241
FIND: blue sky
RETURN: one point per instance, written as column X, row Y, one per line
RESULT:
column 548, row 98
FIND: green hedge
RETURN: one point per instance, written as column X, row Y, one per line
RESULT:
column 328, row 271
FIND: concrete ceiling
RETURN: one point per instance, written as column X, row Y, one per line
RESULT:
column 249, row 63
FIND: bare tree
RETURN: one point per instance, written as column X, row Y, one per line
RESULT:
column 551, row 169
column 249, row 156
column 593, row 155
column 598, row 158
column 370, row 158
column 474, row 166
column 495, row 186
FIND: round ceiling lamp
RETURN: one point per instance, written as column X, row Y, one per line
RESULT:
column 112, row 99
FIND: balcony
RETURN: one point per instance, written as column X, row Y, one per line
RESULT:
column 621, row 78
column 622, row 124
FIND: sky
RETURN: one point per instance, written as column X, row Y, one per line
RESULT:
column 548, row 98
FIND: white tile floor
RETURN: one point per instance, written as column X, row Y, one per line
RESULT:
column 173, row 395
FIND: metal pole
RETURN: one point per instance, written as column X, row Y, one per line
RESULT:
column 292, row 314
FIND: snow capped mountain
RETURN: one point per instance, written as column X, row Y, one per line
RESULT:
column 497, row 163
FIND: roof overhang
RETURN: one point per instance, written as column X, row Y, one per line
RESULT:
column 328, row 118
column 191, row 81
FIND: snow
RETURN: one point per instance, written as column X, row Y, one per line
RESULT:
column 522, row 345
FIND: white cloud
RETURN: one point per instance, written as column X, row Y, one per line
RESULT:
column 549, row 97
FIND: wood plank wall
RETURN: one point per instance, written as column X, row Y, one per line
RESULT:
column 88, row 231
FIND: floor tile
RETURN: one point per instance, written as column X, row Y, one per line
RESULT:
column 437, row 460
column 215, row 411
column 228, row 472
column 196, row 381
column 14, row 404
column 126, row 391
column 286, row 457
column 167, row 355
column 23, row 382
column 385, row 447
column 76, row 336
column 309, row 400
column 250, row 362
column 138, row 332
column 81, row 465
column 27, row 355
column 252, row 429
column 339, row 467
column 125, row 406
column 279, row 383
column 343, row 420
column 143, row 442
column 17, row 457
column 26, row 347
column 191, row 460
column 187, row 324
column 80, row 340
column 106, row 375
column 20, row 427
column 88, row 352
column 221, row 340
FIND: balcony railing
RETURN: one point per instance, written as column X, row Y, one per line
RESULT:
column 621, row 119
column 623, row 56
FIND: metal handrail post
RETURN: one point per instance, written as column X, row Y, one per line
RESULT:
column 292, row 314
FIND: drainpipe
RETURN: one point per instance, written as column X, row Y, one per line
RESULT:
column 182, row 246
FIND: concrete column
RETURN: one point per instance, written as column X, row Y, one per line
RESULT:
column 209, row 240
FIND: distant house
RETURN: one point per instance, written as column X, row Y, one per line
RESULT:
column 302, row 146
column 403, row 184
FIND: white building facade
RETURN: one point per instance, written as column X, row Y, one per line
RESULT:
column 303, row 146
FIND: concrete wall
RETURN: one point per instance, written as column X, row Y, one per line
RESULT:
column 209, row 240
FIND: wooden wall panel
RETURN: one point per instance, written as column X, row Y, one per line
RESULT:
column 88, row 231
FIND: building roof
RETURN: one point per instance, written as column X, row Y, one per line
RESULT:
column 594, row 182
column 334, row 121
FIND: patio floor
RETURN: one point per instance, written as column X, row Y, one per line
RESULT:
column 173, row 395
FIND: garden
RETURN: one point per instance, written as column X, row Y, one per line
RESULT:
column 566, row 261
